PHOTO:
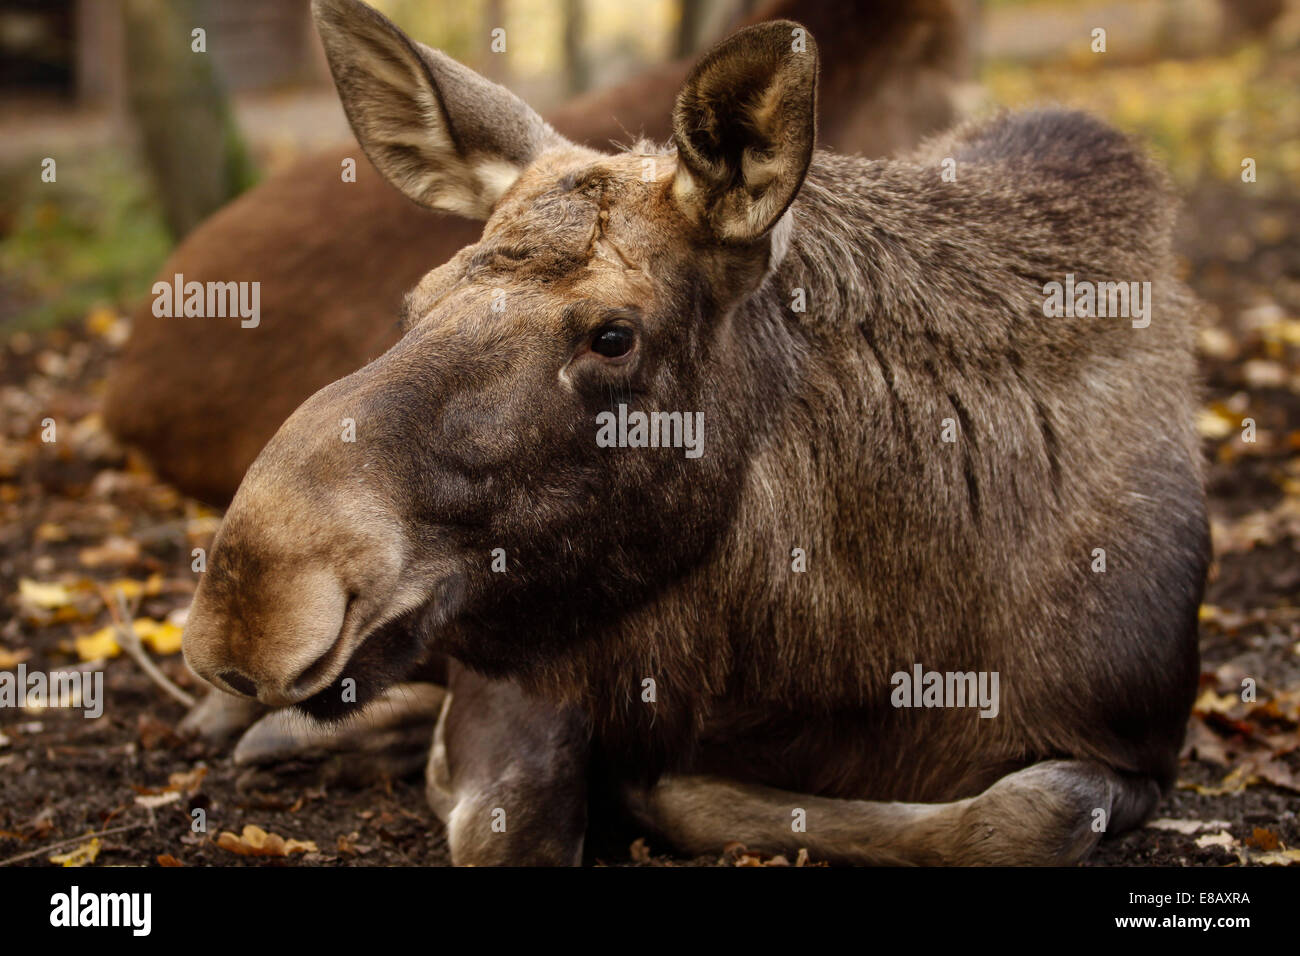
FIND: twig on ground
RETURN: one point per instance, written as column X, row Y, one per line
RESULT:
column 54, row 846
column 130, row 642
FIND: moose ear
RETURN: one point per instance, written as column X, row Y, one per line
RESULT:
column 744, row 125
column 445, row 136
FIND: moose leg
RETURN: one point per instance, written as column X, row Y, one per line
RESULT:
column 388, row 738
column 1051, row 813
column 508, row 775
column 218, row 716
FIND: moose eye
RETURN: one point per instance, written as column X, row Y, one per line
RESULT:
column 613, row 341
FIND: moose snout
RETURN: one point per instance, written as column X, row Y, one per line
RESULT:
column 280, row 646
column 311, row 552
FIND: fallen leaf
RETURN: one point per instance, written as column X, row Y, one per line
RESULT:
column 47, row 597
column 1211, row 703
column 114, row 551
column 188, row 781
column 132, row 589
column 1214, row 424
column 154, row 801
column 1235, row 782
column 100, row 319
column 348, row 845
column 1279, row 858
column 1261, row 373
column 1186, row 827
column 1263, row 839
column 166, row 859
column 1207, row 744
column 86, row 853
column 11, row 659
column 1275, row 772
column 101, row 644
column 254, row 841
column 161, row 637
column 1217, row 343
column 1223, row 839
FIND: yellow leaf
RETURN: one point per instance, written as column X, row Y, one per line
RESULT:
column 82, row 855
column 101, row 320
column 49, row 531
column 1217, row 343
column 132, row 589
column 11, row 659
column 1209, row 701
column 1214, row 424
column 51, row 597
column 160, row 637
column 1288, row 331
column 103, row 643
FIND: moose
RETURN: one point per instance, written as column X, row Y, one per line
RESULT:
column 915, row 472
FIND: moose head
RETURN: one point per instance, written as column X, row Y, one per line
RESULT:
column 457, row 492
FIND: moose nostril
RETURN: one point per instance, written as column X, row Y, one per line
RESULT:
column 238, row 682
column 311, row 675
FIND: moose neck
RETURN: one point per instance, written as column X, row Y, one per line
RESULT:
column 709, row 632
column 842, row 407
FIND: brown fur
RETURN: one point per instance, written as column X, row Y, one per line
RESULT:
column 202, row 396
column 924, row 304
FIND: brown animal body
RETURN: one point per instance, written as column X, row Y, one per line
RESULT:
column 202, row 395
column 630, row 617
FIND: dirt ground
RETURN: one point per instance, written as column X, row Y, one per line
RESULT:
column 80, row 519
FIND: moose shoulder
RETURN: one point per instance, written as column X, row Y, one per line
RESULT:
column 907, row 468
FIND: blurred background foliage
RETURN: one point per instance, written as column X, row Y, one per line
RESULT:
column 1205, row 83
column 1201, row 115
column 95, row 236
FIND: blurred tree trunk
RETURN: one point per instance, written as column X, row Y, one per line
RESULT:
column 692, row 15
column 187, row 130
column 1253, row 17
column 576, row 66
